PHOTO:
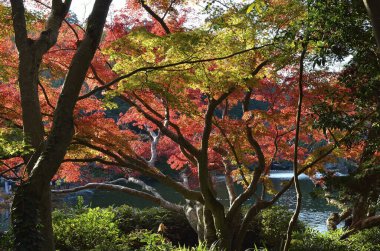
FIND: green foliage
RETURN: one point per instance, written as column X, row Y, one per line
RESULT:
column 80, row 206
column 123, row 228
column 6, row 241
column 93, row 229
column 312, row 240
column 231, row 32
column 339, row 27
column 274, row 224
column 144, row 240
column 200, row 247
column 178, row 230
column 143, row 49
column 97, row 229
column 11, row 143
column 257, row 6
column 365, row 240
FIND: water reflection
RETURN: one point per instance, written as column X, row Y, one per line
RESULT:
column 314, row 210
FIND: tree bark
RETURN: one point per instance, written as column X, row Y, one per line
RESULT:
column 294, row 219
column 369, row 222
column 32, row 199
column 30, row 57
column 360, row 208
column 373, row 9
column 209, row 227
column 211, row 203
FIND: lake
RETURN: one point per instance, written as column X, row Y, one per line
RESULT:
column 314, row 210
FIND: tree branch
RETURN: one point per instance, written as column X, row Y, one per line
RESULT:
column 110, row 187
column 159, row 67
column 232, row 148
column 19, row 23
column 366, row 223
column 258, row 170
column 155, row 16
column 294, row 219
column 141, row 166
column 45, row 95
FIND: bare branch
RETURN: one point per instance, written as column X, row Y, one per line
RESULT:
column 96, row 159
column 10, row 169
column 141, row 166
column 142, row 184
column 178, row 138
column 155, row 16
column 251, row 189
column 45, row 95
column 110, row 187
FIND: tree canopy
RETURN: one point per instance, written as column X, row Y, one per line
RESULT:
column 258, row 84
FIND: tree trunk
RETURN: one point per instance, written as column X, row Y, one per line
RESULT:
column 373, row 9
column 31, row 217
column 360, row 209
column 31, row 52
column 294, row 219
column 209, row 227
column 250, row 215
column 30, row 103
column 31, row 209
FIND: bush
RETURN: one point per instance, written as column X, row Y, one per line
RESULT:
column 98, row 229
column 92, row 229
column 312, row 240
column 200, row 247
column 122, row 229
column 270, row 227
column 6, row 241
column 143, row 240
column 367, row 240
column 178, row 230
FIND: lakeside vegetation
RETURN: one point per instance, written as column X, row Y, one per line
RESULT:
column 155, row 229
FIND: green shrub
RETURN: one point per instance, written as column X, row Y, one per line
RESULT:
column 143, row 240
column 200, row 247
column 92, row 229
column 178, row 230
column 6, row 241
column 366, row 240
column 97, row 229
column 122, row 229
column 273, row 225
column 312, row 240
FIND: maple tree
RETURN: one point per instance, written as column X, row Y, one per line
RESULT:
column 31, row 205
column 153, row 102
column 157, row 91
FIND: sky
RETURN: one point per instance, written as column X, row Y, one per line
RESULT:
column 82, row 8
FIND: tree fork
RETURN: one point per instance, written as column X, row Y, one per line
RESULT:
column 32, row 200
